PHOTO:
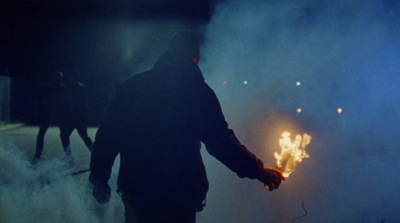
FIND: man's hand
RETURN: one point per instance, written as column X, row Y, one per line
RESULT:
column 102, row 192
column 271, row 178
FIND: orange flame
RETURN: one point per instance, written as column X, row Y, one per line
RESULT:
column 291, row 152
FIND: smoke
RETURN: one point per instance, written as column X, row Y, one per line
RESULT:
column 48, row 192
column 265, row 59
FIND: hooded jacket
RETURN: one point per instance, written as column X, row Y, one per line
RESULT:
column 156, row 122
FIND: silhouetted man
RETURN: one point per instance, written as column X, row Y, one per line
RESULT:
column 50, row 98
column 74, row 115
column 156, row 122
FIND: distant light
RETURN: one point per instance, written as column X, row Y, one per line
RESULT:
column 298, row 83
column 299, row 110
column 339, row 110
column 245, row 82
column 225, row 82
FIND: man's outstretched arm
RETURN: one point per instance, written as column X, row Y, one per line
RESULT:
column 222, row 143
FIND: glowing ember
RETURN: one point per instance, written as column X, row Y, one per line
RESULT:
column 291, row 152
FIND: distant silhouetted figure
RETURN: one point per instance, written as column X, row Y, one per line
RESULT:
column 156, row 122
column 50, row 94
column 74, row 114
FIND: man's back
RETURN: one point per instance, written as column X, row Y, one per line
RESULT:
column 156, row 122
column 158, row 114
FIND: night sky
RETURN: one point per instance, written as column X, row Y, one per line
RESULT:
column 51, row 34
column 104, row 41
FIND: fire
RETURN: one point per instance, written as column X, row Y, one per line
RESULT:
column 291, row 152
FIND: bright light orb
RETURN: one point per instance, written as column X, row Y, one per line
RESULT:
column 298, row 83
column 339, row 110
column 299, row 110
column 245, row 82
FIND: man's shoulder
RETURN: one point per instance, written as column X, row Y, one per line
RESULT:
column 135, row 79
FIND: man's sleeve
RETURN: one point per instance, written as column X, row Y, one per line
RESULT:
column 107, row 142
column 221, row 142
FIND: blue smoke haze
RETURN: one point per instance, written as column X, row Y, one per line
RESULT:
column 48, row 192
column 345, row 55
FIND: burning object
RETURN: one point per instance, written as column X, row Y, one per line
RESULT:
column 291, row 152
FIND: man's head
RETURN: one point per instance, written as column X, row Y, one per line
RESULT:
column 185, row 44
